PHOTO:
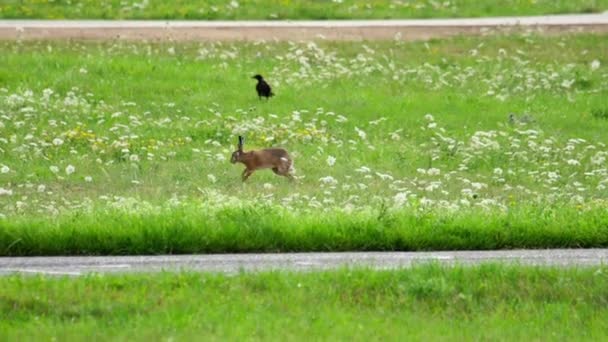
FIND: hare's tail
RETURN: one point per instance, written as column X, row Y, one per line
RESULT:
column 292, row 169
column 288, row 165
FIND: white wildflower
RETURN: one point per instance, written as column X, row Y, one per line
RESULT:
column 268, row 186
column 88, row 179
column 595, row 64
column 328, row 180
column 348, row 208
column 598, row 159
column 433, row 172
column 384, row 176
column 70, row 169
column 331, row 160
column 341, row 118
column 467, row 192
column 376, row 122
column 432, row 186
column 220, row 157
column 478, row 186
column 211, row 178
column 361, row 133
column 46, row 93
column 5, row 192
column 429, row 117
column 295, row 116
column 54, row 169
column 57, row 142
column 573, row 162
column 395, row 135
column 498, row 171
column 5, row 169
column 577, row 199
column 400, row 199
column 426, row 202
column 134, row 158
column 363, row 169
column 41, row 188
column 567, row 83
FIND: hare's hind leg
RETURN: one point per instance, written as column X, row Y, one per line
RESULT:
column 283, row 172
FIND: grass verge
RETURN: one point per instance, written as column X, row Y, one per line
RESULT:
column 488, row 302
column 270, row 229
column 281, row 9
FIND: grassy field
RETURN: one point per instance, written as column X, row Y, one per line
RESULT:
column 428, row 302
column 393, row 142
column 287, row 9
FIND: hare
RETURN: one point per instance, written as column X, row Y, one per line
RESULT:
column 276, row 159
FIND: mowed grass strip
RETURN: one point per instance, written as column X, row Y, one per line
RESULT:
column 287, row 9
column 427, row 302
column 268, row 229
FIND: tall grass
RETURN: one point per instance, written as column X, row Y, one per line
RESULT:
column 268, row 229
column 424, row 303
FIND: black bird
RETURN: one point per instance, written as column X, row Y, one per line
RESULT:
column 262, row 87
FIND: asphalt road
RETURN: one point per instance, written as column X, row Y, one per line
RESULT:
column 197, row 30
column 231, row 263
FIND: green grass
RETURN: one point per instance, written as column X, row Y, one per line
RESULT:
column 287, row 9
column 430, row 302
column 267, row 229
column 417, row 130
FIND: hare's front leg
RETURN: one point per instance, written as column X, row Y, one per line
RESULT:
column 246, row 174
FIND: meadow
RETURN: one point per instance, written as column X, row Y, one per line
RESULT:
column 288, row 9
column 490, row 302
column 484, row 142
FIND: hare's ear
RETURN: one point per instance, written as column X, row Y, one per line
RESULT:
column 240, row 143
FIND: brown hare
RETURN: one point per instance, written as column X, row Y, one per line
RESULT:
column 276, row 159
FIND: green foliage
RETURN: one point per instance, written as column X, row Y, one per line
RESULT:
column 600, row 113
